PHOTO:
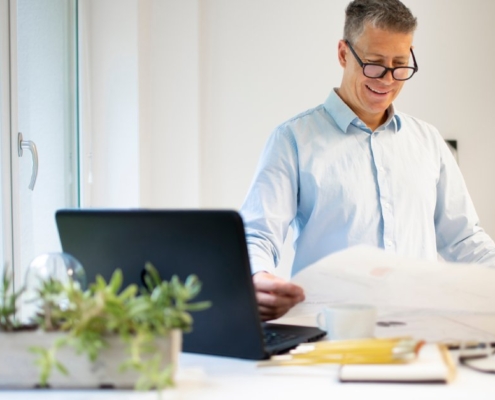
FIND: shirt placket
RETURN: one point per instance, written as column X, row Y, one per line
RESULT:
column 384, row 193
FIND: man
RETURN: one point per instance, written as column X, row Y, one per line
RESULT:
column 355, row 171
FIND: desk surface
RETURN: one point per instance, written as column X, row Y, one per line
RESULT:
column 218, row 378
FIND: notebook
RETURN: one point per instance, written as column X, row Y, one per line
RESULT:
column 434, row 364
column 208, row 243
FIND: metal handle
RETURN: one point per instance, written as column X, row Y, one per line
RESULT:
column 29, row 145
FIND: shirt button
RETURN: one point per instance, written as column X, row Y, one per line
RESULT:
column 389, row 243
column 387, row 206
column 382, row 169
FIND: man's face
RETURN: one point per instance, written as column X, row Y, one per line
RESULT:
column 369, row 98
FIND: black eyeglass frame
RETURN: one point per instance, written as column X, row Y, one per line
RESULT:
column 385, row 69
column 486, row 352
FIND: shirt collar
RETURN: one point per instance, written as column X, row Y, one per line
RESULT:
column 344, row 116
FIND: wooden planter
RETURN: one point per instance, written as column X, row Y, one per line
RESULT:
column 18, row 369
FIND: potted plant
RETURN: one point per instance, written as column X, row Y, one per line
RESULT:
column 99, row 337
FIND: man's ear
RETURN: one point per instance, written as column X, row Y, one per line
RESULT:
column 342, row 52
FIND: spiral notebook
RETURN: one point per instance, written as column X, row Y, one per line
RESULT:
column 434, row 364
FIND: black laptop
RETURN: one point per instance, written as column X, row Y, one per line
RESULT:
column 208, row 243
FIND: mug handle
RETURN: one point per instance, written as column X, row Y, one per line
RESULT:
column 319, row 322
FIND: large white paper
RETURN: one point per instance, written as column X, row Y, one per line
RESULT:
column 435, row 301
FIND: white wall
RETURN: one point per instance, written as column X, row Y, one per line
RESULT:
column 140, row 103
column 208, row 80
column 110, row 103
column 455, row 88
column 171, row 72
column 262, row 62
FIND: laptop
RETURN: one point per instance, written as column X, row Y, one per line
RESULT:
column 208, row 243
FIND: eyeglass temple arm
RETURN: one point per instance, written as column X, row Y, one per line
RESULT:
column 416, row 68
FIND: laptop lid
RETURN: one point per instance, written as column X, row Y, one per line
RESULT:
column 208, row 243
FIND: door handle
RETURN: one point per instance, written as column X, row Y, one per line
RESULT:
column 29, row 145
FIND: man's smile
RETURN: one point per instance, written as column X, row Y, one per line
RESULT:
column 378, row 91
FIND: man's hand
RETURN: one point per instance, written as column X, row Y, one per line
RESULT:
column 275, row 296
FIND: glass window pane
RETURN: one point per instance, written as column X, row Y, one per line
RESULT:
column 4, row 133
column 46, row 93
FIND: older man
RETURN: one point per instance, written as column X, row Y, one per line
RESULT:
column 356, row 171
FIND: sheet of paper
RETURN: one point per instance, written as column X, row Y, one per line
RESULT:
column 436, row 326
column 435, row 301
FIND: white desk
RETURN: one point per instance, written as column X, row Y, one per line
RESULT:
column 218, row 378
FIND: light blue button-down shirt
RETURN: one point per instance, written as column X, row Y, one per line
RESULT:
column 338, row 184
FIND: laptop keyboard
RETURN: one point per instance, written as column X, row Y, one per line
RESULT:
column 274, row 338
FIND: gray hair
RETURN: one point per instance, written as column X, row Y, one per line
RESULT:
column 389, row 15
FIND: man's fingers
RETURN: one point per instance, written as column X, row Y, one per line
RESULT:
column 267, row 314
column 271, row 306
column 270, row 284
column 275, row 296
column 279, row 287
column 274, row 301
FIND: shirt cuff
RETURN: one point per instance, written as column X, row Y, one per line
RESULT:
column 261, row 264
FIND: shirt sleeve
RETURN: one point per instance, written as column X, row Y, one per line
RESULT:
column 459, row 236
column 271, row 203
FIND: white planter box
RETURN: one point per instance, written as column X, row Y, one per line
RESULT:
column 18, row 369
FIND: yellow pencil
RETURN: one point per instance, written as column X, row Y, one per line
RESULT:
column 363, row 351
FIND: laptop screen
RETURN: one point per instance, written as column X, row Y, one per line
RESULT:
column 208, row 243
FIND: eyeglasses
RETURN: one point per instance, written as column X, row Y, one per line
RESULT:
column 480, row 357
column 376, row 71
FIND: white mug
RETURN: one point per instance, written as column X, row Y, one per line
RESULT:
column 347, row 321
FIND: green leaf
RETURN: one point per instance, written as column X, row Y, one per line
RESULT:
column 116, row 281
column 100, row 283
column 138, row 308
column 90, row 316
column 153, row 275
column 61, row 368
column 199, row 306
column 129, row 292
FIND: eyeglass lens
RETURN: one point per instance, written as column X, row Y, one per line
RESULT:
column 377, row 71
